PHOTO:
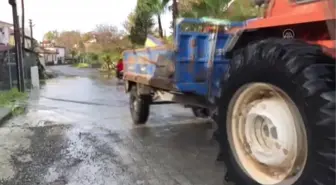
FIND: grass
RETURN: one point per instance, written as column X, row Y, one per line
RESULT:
column 8, row 98
column 82, row 65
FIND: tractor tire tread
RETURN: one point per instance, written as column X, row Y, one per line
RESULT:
column 295, row 65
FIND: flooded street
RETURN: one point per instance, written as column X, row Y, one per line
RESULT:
column 78, row 131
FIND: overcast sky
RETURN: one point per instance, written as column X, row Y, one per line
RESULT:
column 82, row 15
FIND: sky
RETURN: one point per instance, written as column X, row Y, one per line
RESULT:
column 81, row 15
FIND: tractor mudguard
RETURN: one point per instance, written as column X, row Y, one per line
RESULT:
column 232, row 43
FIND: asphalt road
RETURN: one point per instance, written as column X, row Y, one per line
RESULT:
column 78, row 130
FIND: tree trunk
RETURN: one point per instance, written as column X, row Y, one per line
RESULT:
column 160, row 26
column 175, row 14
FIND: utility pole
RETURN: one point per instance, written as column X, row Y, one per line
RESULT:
column 18, row 48
column 23, row 25
column 31, row 34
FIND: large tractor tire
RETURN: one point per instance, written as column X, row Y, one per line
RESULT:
column 139, row 106
column 276, row 115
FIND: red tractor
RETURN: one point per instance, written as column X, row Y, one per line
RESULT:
column 276, row 114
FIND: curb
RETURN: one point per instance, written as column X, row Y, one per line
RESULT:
column 6, row 117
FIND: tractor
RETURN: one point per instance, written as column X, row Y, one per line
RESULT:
column 269, row 84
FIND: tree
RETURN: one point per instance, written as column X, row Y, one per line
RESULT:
column 129, row 23
column 73, row 53
column 108, row 36
column 70, row 40
column 107, row 61
column 141, row 28
column 156, row 7
column 242, row 10
column 143, row 23
column 239, row 11
column 51, row 35
column 88, row 36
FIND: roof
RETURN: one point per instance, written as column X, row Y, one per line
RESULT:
column 6, row 23
column 47, row 51
column 52, row 45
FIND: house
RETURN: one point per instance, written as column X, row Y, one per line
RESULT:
column 7, row 55
column 7, row 36
column 27, row 39
column 53, row 54
column 49, row 56
column 5, row 32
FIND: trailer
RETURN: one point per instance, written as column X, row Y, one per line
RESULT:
column 269, row 84
column 179, row 73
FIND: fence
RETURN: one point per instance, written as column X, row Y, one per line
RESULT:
column 8, row 70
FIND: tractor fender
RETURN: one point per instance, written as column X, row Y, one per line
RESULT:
column 238, row 40
column 232, row 43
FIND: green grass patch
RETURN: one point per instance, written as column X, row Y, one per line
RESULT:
column 82, row 65
column 8, row 98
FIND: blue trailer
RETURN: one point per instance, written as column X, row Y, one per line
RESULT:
column 188, row 73
column 271, row 90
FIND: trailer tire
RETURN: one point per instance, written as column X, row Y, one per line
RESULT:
column 305, row 75
column 200, row 112
column 139, row 106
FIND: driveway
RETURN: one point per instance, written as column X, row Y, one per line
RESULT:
column 78, row 130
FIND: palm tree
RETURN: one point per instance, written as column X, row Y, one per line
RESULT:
column 156, row 7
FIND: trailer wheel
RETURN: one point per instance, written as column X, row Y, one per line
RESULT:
column 139, row 106
column 276, row 115
column 200, row 112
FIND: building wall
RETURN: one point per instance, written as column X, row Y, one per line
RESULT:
column 50, row 58
column 61, row 52
column 27, row 42
column 4, row 34
column 60, row 57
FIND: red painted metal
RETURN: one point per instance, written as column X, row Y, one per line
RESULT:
column 291, row 13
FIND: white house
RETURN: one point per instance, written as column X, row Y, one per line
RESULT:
column 56, row 55
column 5, row 32
column 53, row 54
column 60, row 54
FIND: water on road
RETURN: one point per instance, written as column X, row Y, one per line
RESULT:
column 78, row 130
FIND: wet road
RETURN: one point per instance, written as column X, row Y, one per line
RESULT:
column 78, row 130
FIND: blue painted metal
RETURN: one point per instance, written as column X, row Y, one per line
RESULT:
column 191, row 61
